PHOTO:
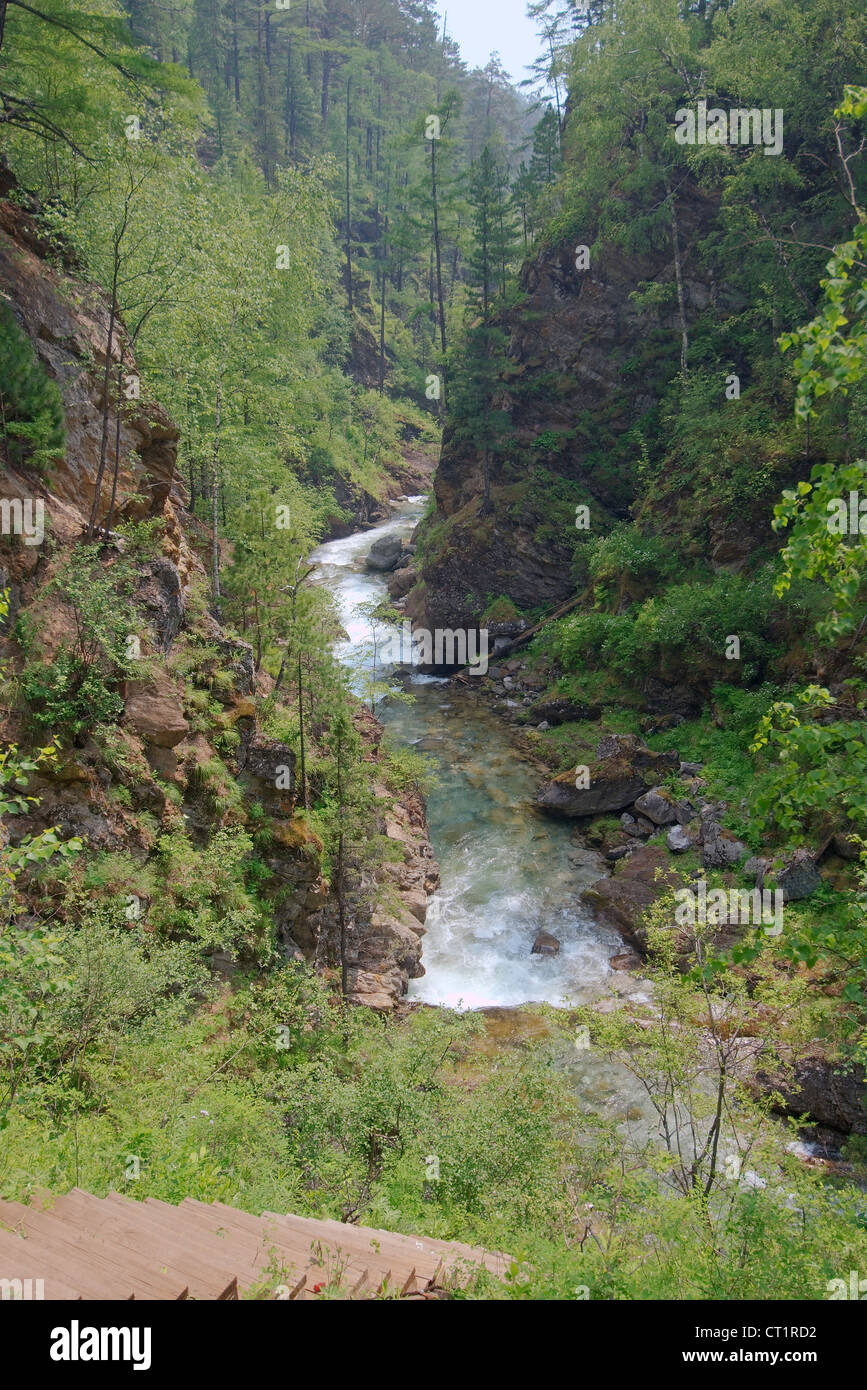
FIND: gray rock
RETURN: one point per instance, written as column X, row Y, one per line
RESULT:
column 720, row 848
column 159, row 593
column 799, row 877
column 677, row 840
column 543, row 726
column 657, row 806
column 265, row 758
column 384, row 553
column 755, row 867
column 691, row 769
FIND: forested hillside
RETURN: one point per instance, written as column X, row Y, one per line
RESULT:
column 287, row 924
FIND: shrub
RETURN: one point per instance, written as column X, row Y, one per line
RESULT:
column 31, row 408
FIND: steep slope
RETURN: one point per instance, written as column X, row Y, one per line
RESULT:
column 184, row 753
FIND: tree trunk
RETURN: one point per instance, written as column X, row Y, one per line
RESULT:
column 301, row 723
column 110, row 516
column 106, row 380
column 439, row 269
column 348, row 231
column 681, row 308
column 235, row 56
column 215, row 514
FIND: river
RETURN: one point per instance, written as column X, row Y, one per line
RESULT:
column 506, row 871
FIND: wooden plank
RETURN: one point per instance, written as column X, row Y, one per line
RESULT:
column 129, row 1271
column 28, row 1259
column 89, row 1281
column 127, row 1229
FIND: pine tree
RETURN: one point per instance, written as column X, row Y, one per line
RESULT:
column 483, row 357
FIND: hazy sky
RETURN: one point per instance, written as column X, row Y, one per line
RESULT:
column 485, row 26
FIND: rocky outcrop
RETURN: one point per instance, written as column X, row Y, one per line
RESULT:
column 828, row 1092
column 153, row 708
column 160, row 595
column 624, row 898
column 570, row 407
column 624, row 770
column 67, row 323
column 385, row 945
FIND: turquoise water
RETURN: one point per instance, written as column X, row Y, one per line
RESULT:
column 506, row 872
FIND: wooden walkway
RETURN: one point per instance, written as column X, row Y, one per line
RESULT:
column 114, row 1248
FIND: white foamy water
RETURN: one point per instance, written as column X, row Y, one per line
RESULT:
column 507, row 872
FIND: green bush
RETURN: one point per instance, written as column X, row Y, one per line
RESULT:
column 74, row 692
column 681, row 632
column 31, row 408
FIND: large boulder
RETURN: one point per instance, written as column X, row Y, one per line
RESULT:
column 657, row 805
column 720, row 848
column 624, row 898
column 384, row 554
column 828, row 1092
column 153, row 708
column 799, row 877
column 624, row 769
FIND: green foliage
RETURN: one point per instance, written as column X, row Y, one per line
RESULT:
column 31, row 966
column 683, row 630
column 75, row 690
column 31, row 408
column 816, row 766
column 203, row 896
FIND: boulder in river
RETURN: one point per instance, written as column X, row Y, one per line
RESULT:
column 546, row 945
column 624, row 898
column 384, row 554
